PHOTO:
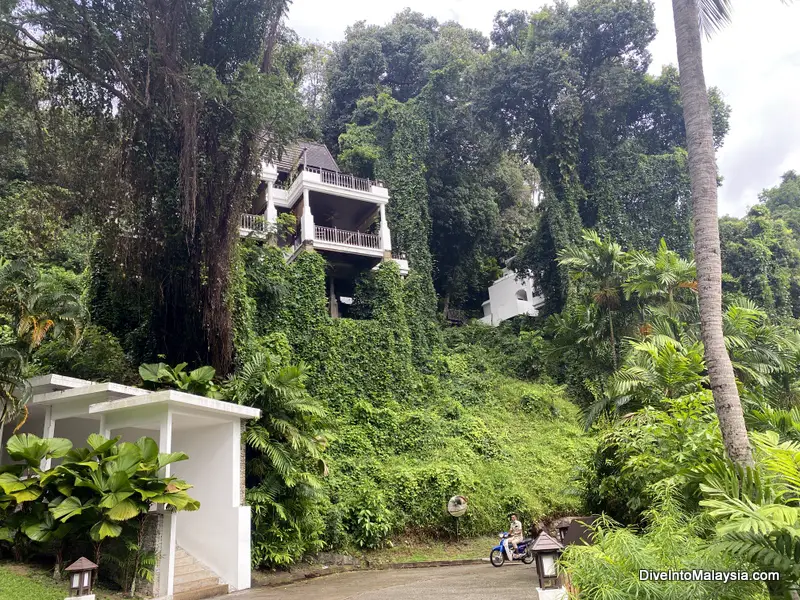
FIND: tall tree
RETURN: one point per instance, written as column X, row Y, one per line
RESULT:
column 190, row 89
column 569, row 87
column 692, row 16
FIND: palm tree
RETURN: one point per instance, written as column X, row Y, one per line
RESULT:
column 655, row 369
column 14, row 388
column 690, row 17
column 286, row 458
column 662, row 280
column 602, row 262
column 36, row 307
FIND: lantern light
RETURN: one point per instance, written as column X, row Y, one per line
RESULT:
column 81, row 579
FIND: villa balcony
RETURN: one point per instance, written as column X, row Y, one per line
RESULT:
column 332, row 235
column 331, row 239
column 344, row 180
column 340, row 185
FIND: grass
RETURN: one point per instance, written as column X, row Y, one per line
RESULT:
column 421, row 550
column 25, row 582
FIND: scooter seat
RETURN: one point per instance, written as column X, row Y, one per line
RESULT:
column 527, row 541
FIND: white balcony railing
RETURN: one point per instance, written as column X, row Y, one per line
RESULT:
column 343, row 179
column 253, row 222
column 348, row 238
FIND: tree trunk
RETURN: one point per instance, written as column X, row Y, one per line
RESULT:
column 613, row 339
column 703, row 176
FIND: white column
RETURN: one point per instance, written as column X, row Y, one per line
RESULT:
column 48, row 433
column 272, row 212
column 386, row 236
column 307, row 221
column 166, row 567
column 165, row 438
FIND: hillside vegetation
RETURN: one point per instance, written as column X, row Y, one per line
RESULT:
column 405, row 437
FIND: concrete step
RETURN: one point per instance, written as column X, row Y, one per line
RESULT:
column 199, row 594
column 199, row 575
column 184, row 561
column 189, row 569
column 195, row 584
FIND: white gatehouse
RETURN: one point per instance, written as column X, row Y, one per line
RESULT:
column 201, row 553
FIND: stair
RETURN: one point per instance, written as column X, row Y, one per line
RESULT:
column 193, row 580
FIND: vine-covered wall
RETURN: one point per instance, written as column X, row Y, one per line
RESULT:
column 406, row 438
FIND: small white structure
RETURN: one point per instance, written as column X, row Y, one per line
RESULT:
column 217, row 536
column 509, row 297
column 551, row 593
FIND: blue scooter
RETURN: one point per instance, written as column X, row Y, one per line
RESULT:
column 503, row 551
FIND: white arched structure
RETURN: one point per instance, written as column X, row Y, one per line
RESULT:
column 509, row 297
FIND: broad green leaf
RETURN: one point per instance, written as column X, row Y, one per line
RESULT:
column 126, row 460
column 179, row 368
column 58, row 447
column 100, row 444
column 123, row 511
column 32, row 492
column 114, row 498
column 22, row 490
column 150, row 372
column 11, row 483
column 105, row 529
column 33, row 449
column 6, row 535
column 40, row 528
column 166, row 458
column 203, row 374
column 27, row 447
column 77, row 455
column 65, row 489
column 68, row 508
column 119, row 482
column 148, row 448
column 38, row 532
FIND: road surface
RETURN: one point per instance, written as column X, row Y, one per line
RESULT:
column 468, row 582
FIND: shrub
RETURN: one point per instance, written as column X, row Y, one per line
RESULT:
column 97, row 493
column 98, row 356
column 672, row 541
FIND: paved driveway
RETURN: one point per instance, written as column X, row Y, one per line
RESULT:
column 469, row 582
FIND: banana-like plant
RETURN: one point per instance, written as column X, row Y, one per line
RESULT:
column 92, row 494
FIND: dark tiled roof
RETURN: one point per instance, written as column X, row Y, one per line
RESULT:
column 82, row 564
column 580, row 531
column 544, row 543
column 317, row 155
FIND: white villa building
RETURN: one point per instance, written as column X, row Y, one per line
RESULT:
column 339, row 215
column 510, row 297
column 204, row 553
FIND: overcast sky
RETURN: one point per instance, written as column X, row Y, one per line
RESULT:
column 755, row 62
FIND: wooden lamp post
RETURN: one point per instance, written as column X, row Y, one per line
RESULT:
column 547, row 550
column 81, row 579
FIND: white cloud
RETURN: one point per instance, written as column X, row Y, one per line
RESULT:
column 755, row 62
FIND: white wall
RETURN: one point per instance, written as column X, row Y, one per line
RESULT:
column 218, row 534
column 131, row 434
column 76, row 430
column 504, row 302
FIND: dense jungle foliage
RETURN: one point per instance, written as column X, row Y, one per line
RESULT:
column 549, row 147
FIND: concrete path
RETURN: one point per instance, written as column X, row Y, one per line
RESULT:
column 470, row 582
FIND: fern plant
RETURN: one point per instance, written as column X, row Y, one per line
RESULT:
column 757, row 509
column 285, row 458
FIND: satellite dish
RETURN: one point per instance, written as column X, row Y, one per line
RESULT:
column 457, row 506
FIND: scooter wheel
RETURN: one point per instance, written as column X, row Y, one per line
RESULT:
column 496, row 558
column 528, row 558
